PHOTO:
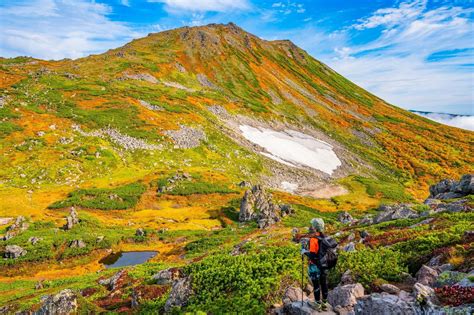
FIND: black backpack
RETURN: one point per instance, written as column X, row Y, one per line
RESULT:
column 327, row 254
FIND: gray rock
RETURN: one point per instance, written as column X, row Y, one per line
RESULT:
column 426, row 275
column 142, row 77
column 34, row 240
column 294, row 294
column 204, row 81
column 366, row 220
column 383, row 304
column 449, row 278
column 14, row 251
column 347, row 278
column 20, row 225
column 448, row 188
column 150, row 106
column 114, row 282
column 296, row 308
column 345, row 218
column 167, row 276
column 72, row 219
column 395, row 212
column 390, row 288
column 257, row 205
column 140, row 232
column 77, row 244
column 467, row 281
column 349, row 247
column 180, row 293
column 5, row 221
column 186, row 137
column 364, row 234
column 345, row 295
column 63, row 303
column 424, row 295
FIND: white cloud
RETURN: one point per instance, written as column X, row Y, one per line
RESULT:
column 390, row 17
column 397, row 66
column 463, row 122
column 177, row 6
column 56, row 29
column 125, row 2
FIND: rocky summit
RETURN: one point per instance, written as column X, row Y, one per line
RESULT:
column 172, row 174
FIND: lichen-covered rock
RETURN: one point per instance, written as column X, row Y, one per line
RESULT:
column 448, row 278
column 345, row 295
column 298, row 308
column 63, row 303
column 140, row 232
column 180, row 293
column 14, row 251
column 141, row 77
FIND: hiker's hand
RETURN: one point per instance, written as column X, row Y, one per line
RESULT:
column 303, row 251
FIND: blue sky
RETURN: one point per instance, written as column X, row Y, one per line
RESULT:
column 417, row 54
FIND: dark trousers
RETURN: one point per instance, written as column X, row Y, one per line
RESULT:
column 320, row 285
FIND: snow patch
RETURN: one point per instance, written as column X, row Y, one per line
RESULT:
column 293, row 148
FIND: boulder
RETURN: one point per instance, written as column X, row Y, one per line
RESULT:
column 72, row 219
column 364, row 234
column 349, row 247
column 180, row 293
column 345, row 218
column 384, row 304
column 448, row 278
column 34, row 240
column 16, row 228
column 167, row 276
column 65, row 302
column 426, row 275
column 116, row 281
column 389, row 288
column 140, row 232
column 448, row 188
column 467, row 282
column 347, row 278
column 257, row 205
column 424, row 295
column 296, row 308
column 366, row 220
column 345, row 295
column 294, row 294
column 395, row 212
column 77, row 244
column 14, row 251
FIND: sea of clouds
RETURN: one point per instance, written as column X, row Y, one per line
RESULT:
column 459, row 121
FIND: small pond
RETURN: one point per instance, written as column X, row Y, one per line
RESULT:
column 122, row 259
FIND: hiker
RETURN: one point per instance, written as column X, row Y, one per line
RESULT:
column 321, row 255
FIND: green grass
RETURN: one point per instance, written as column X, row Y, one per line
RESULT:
column 389, row 191
column 7, row 128
column 122, row 197
column 186, row 188
column 304, row 214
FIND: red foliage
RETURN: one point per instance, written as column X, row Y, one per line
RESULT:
column 455, row 295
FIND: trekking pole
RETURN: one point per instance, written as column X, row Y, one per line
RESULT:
column 302, row 279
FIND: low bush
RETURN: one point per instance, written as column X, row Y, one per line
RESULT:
column 240, row 283
column 367, row 265
column 123, row 197
column 187, row 188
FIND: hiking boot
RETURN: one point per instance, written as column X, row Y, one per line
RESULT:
column 315, row 305
column 324, row 305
